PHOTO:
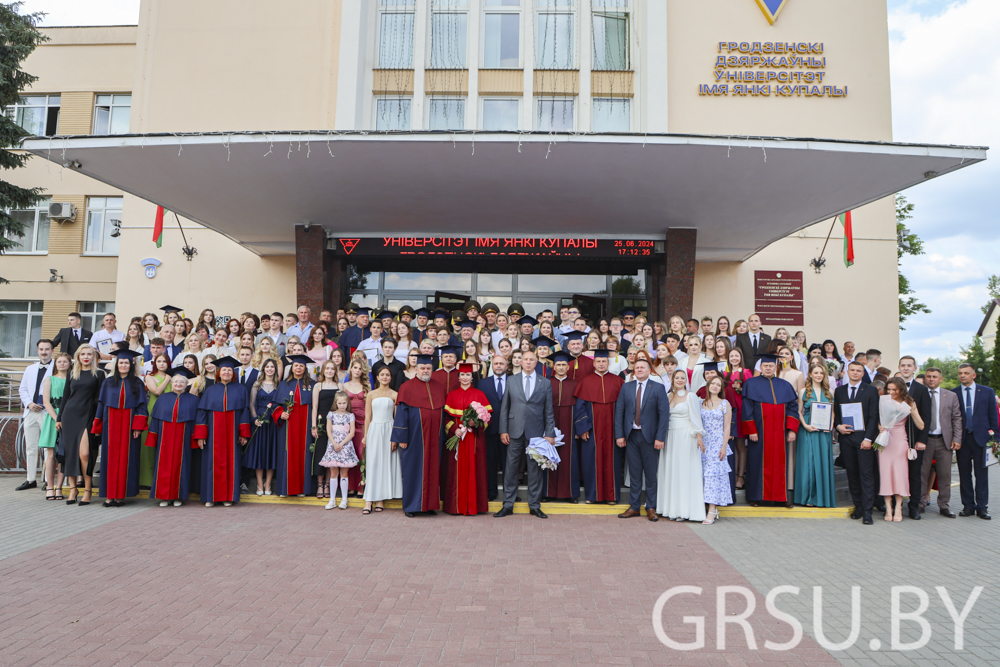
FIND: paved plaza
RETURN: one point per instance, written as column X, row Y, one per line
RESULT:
column 276, row 584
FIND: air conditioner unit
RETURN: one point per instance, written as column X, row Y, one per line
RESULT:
column 62, row 211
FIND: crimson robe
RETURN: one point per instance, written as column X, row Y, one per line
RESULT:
column 223, row 418
column 580, row 368
column 447, row 380
column 419, row 407
column 770, row 408
column 564, row 481
column 293, row 470
column 601, row 461
column 463, row 485
column 121, row 410
column 171, row 429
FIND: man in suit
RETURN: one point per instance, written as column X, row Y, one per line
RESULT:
column 979, row 426
column 30, row 393
column 917, row 437
column 944, row 435
column 753, row 343
column 73, row 335
column 388, row 360
column 856, row 445
column 642, row 413
column 167, row 333
column 525, row 413
column 273, row 330
column 495, row 387
column 245, row 374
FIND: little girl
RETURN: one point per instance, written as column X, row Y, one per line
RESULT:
column 339, row 449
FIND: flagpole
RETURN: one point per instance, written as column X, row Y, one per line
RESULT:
column 824, row 243
column 187, row 250
column 819, row 262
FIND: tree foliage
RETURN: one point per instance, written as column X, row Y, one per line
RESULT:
column 19, row 35
column 907, row 243
column 993, row 287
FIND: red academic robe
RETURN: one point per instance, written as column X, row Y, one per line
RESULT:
column 601, row 461
column 770, row 409
column 580, row 368
column 447, row 380
column 120, row 412
column 463, row 486
column 564, row 481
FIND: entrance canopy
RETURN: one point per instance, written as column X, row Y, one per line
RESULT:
column 740, row 193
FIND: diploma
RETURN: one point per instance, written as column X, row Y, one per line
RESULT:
column 852, row 416
column 104, row 346
column 821, row 416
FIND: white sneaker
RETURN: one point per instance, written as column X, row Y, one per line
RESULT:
column 209, row 504
column 227, row 504
column 282, row 496
column 343, row 504
column 177, row 503
column 330, row 505
column 260, row 492
column 165, row 503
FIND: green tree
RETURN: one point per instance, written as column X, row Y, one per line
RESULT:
column 949, row 370
column 995, row 367
column 982, row 360
column 907, row 243
column 993, row 287
column 19, row 35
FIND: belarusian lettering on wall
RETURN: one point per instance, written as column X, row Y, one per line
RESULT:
column 765, row 69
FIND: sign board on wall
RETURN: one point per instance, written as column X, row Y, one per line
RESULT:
column 778, row 297
column 489, row 246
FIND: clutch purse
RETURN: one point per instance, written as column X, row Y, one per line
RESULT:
column 911, row 454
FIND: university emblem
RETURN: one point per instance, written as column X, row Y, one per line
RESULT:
column 771, row 9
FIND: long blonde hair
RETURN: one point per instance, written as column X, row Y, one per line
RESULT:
column 365, row 384
column 78, row 365
column 187, row 343
column 258, row 355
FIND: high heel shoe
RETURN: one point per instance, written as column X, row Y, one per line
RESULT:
column 50, row 490
column 73, row 493
column 87, row 501
column 710, row 519
column 899, row 514
column 888, row 514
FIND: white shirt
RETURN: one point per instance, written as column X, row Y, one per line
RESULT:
column 852, row 388
column 371, row 348
column 115, row 337
column 935, row 406
column 754, row 338
column 26, row 388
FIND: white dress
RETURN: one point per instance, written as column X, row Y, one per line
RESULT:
column 403, row 351
column 383, row 474
column 680, row 491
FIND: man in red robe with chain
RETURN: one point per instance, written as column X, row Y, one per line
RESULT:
column 601, row 460
column 417, row 431
column 564, row 482
column 580, row 365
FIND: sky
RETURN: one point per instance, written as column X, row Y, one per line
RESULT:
column 945, row 66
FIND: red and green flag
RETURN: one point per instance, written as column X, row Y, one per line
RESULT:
column 158, row 227
column 845, row 220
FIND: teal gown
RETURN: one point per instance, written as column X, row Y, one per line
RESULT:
column 814, row 483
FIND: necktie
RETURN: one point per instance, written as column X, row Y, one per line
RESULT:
column 38, row 385
column 76, row 333
column 638, row 406
column 527, row 386
column 934, row 411
column 754, row 337
column 853, row 390
column 242, row 380
column 500, row 387
column 968, row 408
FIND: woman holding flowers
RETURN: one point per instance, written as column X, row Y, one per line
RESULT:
column 262, row 451
column 467, row 411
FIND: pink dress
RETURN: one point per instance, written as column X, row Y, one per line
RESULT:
column 358, row 408
column 893, row 466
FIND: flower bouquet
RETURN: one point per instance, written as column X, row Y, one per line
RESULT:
column 993, row 448
column 544, row 454
column 474, row 416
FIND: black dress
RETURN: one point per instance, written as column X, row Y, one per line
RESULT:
column 77, row 416
column 322, row 409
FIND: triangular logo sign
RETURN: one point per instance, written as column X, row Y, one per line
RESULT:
column 771, row 9
column 349, row 244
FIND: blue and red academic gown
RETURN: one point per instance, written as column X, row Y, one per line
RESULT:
column 171, row 431
column 580, row 368
column 418, row 335
column 770, row 409
column 121, row 410
column 223, row 418
column 351, row 338
column 418, row 425
column 293, row 471
column 601, row 461
column 463, row 482
column 546, row 372
column 564, row 481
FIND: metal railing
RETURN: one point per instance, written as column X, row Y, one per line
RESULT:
column 12, row 452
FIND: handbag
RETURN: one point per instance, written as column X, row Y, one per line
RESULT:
column 911, row 454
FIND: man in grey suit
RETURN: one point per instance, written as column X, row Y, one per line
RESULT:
column 525, row 413
column 944, row 436
column 279, row 339
column 642, row 413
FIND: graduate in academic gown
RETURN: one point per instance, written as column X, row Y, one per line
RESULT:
column 447, row 375
column 353, row 335
column 419, row 333
column 417, row 430
column 171, row 432
column 580, row 366
column 770, row 419
column 293, row 472
column 564, row 481
column 223, row 424
column 601, row 461
column 121, row 419
column 543, row 351
column 463, row 485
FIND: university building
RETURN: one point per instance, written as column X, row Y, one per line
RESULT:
column 683, row 157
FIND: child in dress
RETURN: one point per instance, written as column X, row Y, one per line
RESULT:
column 339, row 449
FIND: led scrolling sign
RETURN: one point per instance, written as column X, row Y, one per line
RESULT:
column 497, row 246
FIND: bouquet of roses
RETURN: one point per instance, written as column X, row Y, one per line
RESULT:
column 994, row 445
column 475, row 416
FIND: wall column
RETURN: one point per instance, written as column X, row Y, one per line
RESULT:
column 679, row 279
column 310, row 273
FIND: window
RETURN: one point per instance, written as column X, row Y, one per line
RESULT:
column 502, row 34
column 446, row 113
column 111, row 114
column 554, row 41
column 38, row 115
column 448, row 34
column 395, row 49
column 554, row 114
column 611, row 35
column 36, row 229
column 104, row 217
column 500, row 114
column 20, row 328
column 392, row 113
column 612, row 114
column 92, row 313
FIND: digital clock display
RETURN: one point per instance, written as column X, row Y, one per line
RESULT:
column 495, row 246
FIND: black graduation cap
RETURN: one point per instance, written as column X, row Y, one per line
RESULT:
column 425, row 359
column 600, row 354
column 561, row 356
column 628, row 312
column 710, row 366
column 768, row 358
column 171, row 309
column 420, row 312
column 468, row 324
column 543, row 341
column 295, row 359
column 450, row 349
column 126, row 353
column 364, row 311
column 441, row 314
column 227, row 362
column 180, row 370
column 387, row 314
column 575, row 335
column 527, row 319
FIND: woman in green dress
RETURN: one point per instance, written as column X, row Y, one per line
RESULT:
column 52, row 392
column 156, row 382
column 814, row 485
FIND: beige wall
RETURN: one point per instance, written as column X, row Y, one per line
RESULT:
column 84, row 59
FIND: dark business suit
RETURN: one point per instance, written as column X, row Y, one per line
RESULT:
column 523, row 418
column 858, row 462
column 170, row 350
column 922, row 397
column 975, row 439
column 248, row 379
column 496, row 452
column 744, row 343
column 69, row 340
column 643, row 457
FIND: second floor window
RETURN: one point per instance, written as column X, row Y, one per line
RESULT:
column 448, row 34
column 611, row 35
column 35, row 238
column 104, row 215
column 554, row 114
column 446, row 113
column 392, row 113
column 111, row 114
column 554, row 45
column 395, row 45
column 38, row 115
column 500, row 113
column 502, row 34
